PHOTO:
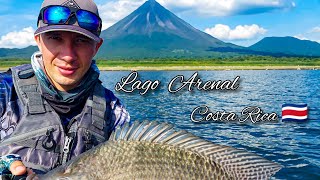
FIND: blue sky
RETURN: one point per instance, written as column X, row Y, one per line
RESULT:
column 242, row 22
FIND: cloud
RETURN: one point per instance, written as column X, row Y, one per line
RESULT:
column 241, row 32
column 312, row 35
column 301, row 37
column 315, row 30
column 18, row 39
column 113, row 11
column 227, row 7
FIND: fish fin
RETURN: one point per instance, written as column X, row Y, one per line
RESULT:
column 115, row 134
column 124, row 130
column 238, row 163
column 155, row 131
column 138, row 130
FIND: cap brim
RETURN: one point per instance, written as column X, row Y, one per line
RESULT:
column 70, row 28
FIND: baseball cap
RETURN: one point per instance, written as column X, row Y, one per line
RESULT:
column 73, row 25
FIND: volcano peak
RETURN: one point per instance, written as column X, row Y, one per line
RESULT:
column 152, row 27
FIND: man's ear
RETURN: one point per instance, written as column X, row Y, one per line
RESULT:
column 37, row 39
column 99, row 45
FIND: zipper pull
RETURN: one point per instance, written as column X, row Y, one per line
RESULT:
column 66, row 148
column 67, row 142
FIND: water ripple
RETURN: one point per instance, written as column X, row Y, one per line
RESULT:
column 294, row 145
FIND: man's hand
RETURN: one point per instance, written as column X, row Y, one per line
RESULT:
column 17, row 168
column 11, row 167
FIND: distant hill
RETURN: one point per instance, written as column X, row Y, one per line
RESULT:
column 18, row 53
column 287, row 45
column 152, row 30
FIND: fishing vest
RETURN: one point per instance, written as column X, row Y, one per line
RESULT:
column 39, row 136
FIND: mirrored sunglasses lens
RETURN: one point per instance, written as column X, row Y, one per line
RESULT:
column 56, row 15
column 88, row 20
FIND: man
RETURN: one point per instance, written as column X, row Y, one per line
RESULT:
column 56, row 108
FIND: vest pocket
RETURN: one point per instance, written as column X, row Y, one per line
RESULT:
column 36, row 159
column 39, row 149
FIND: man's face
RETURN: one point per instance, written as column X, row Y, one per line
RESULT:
column 67, row 56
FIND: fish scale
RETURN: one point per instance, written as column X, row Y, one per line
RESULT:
column 152, row 150
column 133, row 160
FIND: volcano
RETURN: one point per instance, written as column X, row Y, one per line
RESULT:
column 153, row 31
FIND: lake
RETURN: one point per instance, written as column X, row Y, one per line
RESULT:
column 296, row 146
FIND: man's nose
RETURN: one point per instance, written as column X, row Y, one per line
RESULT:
column 68, row 52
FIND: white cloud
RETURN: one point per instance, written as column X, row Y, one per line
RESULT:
column 227, row 7
column 315, row 30
column 301, row 37
column 312, row 35
column 18, row 39
column 241, row 32
column 113, row 11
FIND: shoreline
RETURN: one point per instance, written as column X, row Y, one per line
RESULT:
column 197, row 68
column 205, row 68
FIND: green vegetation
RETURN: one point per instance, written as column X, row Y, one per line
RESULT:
column 244, row 62
column 6, row 63
column 234, row 61
column 198, row 63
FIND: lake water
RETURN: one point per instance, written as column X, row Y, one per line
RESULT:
column 296, row 146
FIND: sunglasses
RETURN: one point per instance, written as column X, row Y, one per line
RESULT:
column 53, row 15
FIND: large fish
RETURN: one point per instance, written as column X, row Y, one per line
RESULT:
column 152, row 150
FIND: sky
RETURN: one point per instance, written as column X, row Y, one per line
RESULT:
column 242, row 22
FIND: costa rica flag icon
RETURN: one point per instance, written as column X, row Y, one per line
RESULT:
column 294, row 112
